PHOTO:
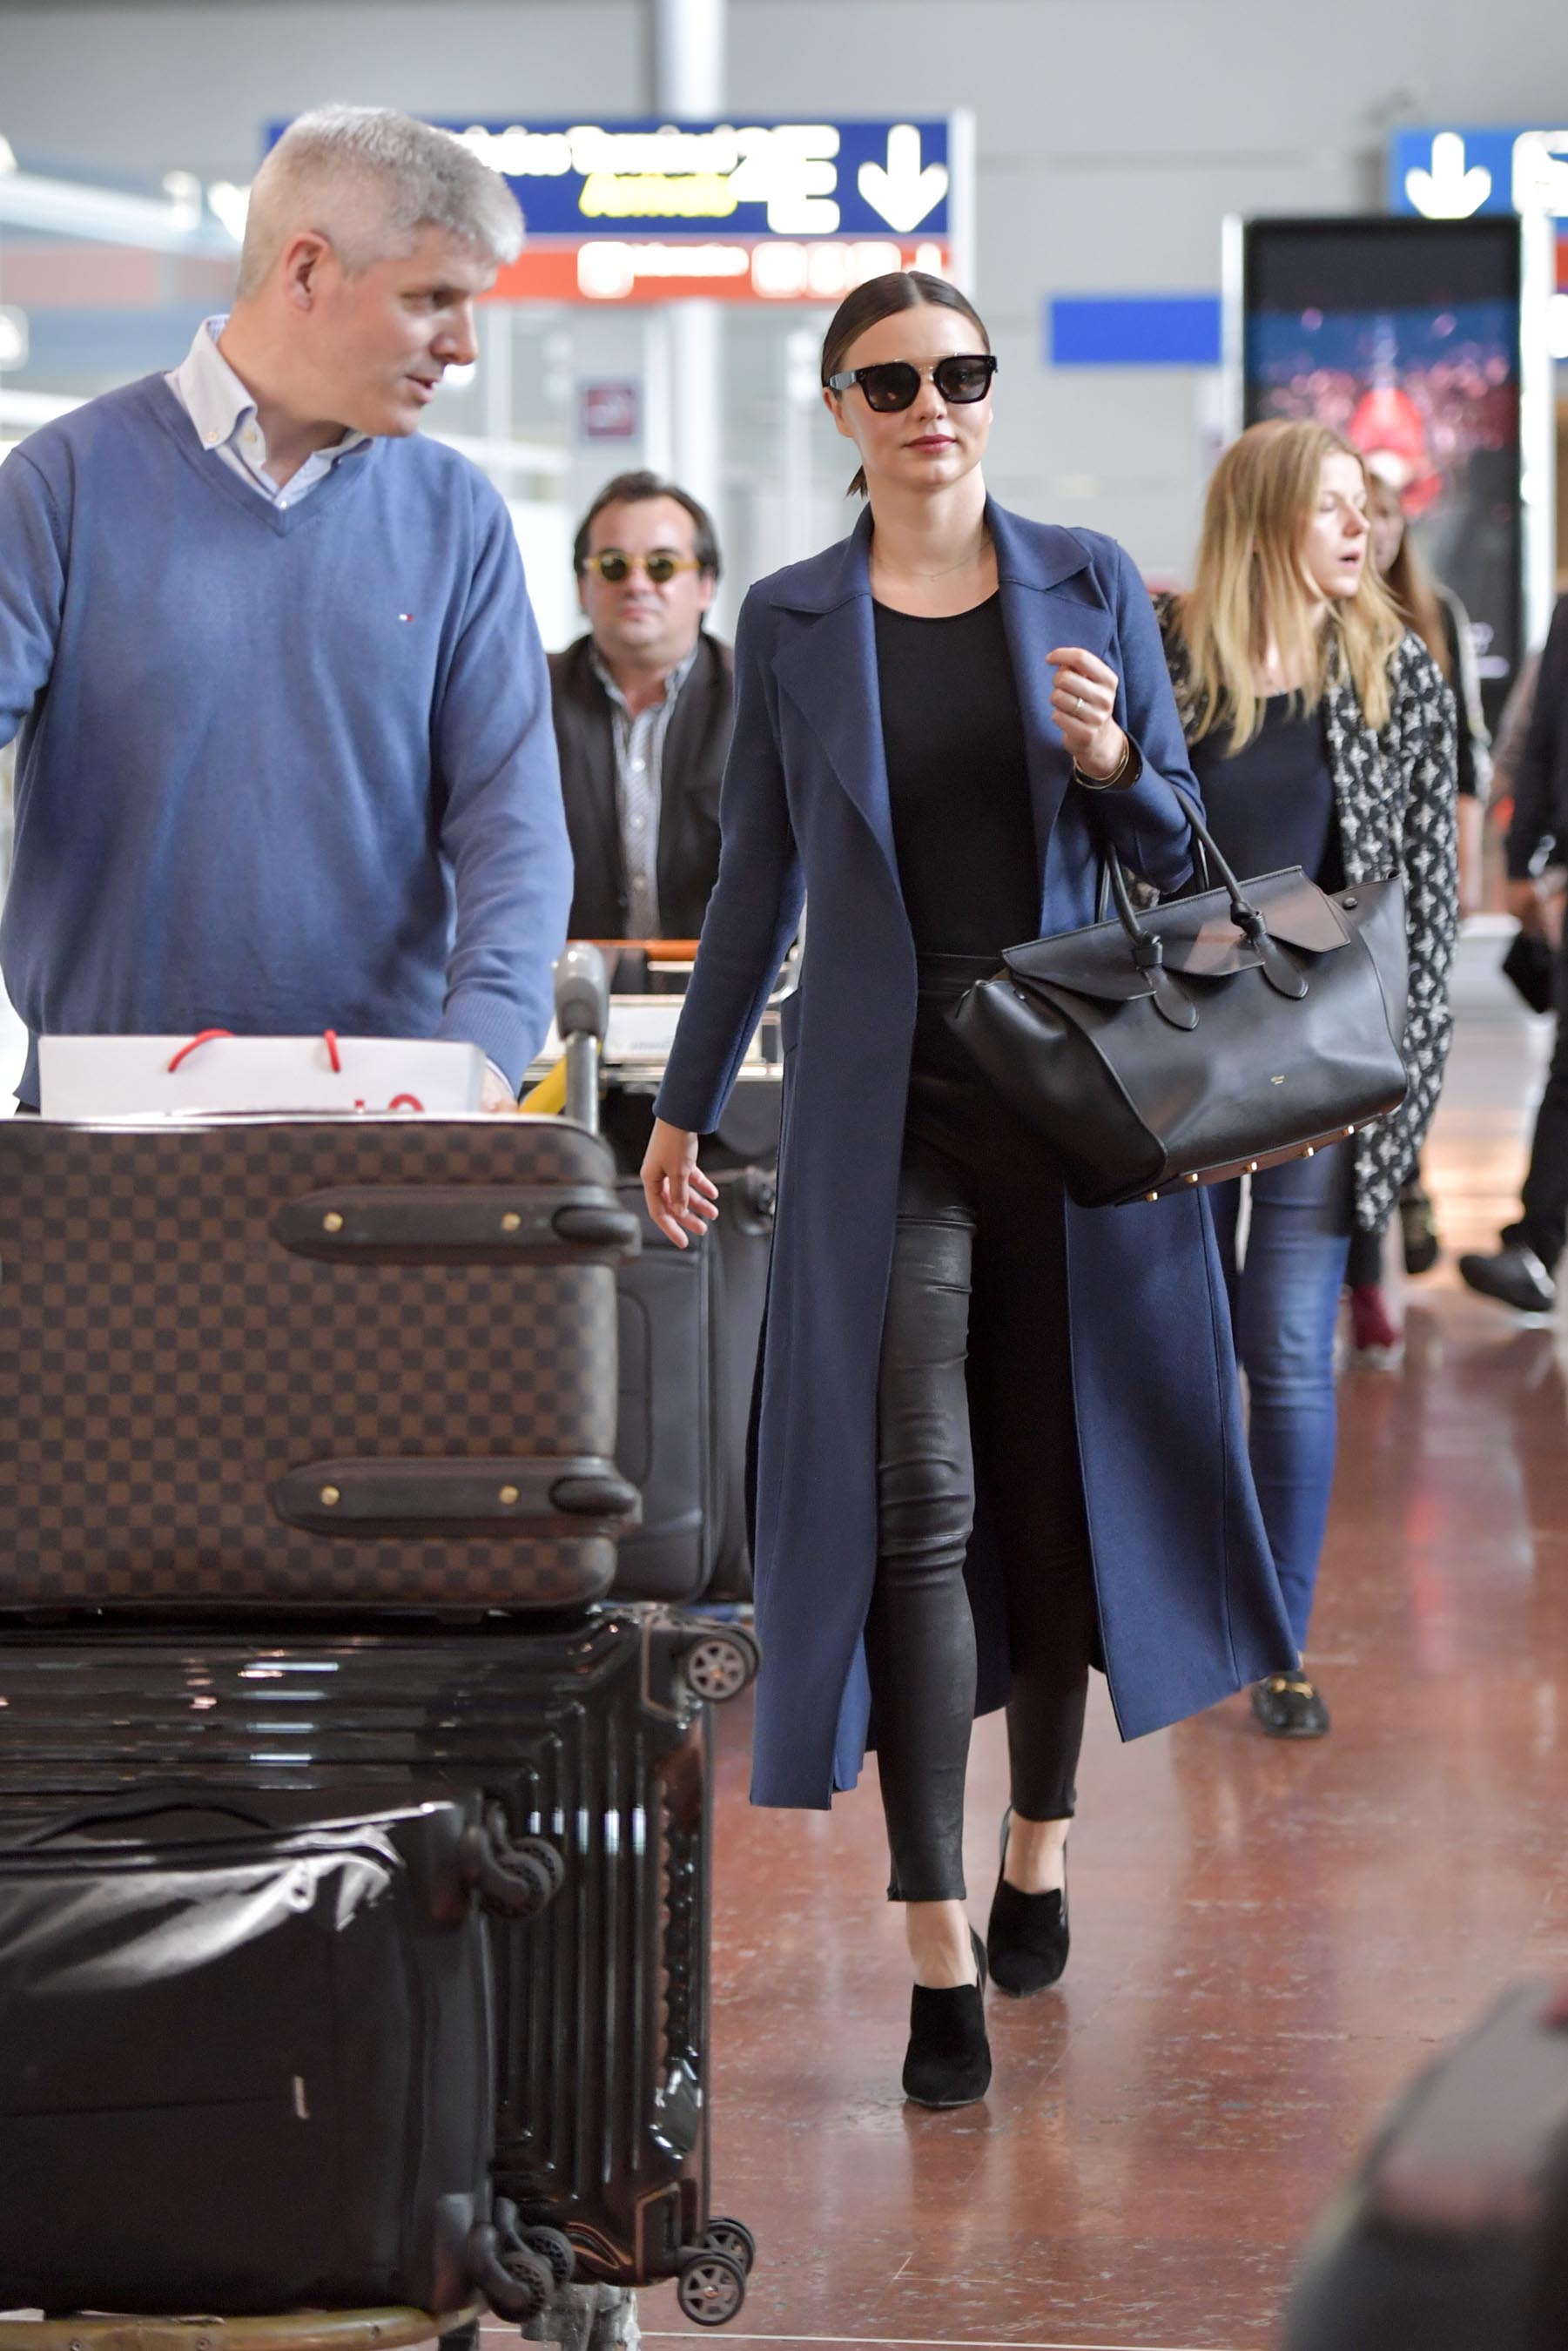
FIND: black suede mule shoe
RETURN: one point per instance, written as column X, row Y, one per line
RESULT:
column 1026, row 1939
column 948, row 2061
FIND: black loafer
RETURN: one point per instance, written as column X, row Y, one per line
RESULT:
column 1514, row 1275
column 1288, row 1706
column 1026, row 1939
column 948, row 2061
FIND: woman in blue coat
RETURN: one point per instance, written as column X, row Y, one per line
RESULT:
column 998, row 1435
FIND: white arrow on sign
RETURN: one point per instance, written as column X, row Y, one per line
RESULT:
column 901, row 191
column 1448, row 192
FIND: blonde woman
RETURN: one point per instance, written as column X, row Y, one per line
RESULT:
column 1322, row 735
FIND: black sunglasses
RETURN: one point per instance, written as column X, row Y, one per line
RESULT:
column 896, row 383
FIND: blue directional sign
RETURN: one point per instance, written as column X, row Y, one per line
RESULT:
column 1456, row 171
column 1133, row 330
column 736, row 180
column 697, row 179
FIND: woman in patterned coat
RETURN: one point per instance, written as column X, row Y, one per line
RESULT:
column 1323, row 736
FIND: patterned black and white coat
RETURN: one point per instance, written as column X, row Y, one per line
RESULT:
column 1395, row 790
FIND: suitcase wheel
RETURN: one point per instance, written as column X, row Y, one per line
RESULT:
column 527, row 2286
column 513, row 1879
column 732, row 2236
column 555, row 2250
column 712, row 2288
column 516, row 2282
column 720, row 1663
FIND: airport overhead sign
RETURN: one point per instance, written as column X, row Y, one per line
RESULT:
column 764, row 213
column 1454, row 172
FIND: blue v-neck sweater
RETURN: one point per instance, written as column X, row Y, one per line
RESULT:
column 281, row 769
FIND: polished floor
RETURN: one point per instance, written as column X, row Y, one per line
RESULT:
column 1268, row 1940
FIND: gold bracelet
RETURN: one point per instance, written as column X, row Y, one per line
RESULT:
column 1119, row 775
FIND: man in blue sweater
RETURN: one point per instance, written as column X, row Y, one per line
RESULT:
column 286, row 758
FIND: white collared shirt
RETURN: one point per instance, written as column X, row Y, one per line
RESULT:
column 224, row 416
column 639, row 784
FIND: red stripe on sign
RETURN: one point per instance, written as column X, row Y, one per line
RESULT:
column 805, row 271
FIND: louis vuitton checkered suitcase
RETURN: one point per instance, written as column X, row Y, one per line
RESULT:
column 308, row 1364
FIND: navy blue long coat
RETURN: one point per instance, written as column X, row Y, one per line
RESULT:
column 1189, row 1609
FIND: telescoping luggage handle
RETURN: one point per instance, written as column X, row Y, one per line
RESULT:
column 582, row 1022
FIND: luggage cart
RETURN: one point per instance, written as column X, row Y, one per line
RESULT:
column 382, row 1640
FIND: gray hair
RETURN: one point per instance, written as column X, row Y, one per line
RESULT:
column 370, row 180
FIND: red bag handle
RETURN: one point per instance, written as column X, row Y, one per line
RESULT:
column 331, row 1035
column 186, row 1051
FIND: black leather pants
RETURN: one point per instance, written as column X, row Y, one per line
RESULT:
column 974, row 1390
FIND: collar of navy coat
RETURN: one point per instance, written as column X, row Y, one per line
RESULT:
column 824, row 655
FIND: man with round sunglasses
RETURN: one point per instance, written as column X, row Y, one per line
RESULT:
column 643, row 714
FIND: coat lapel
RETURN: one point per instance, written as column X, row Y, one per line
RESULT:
column 828, row 668
column 1037, row 567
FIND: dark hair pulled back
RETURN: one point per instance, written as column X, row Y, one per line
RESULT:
column 885, row 297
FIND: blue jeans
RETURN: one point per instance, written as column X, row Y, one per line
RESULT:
column 1284, row 1302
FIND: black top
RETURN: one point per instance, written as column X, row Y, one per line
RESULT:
column 1272, row 803
column 963, row 822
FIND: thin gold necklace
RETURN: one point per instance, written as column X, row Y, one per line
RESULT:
column 948, row 570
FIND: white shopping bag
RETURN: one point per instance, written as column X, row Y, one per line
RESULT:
column 138, row 1077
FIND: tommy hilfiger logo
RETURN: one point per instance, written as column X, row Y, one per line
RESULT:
column 405, row 616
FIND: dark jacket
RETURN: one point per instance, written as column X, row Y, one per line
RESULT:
column 694, row 750
column 1472, row 743
column 1540, row 778
column 1394, row 795
column 1188, row 1605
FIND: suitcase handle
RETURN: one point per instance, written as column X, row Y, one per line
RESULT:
column 468, row 1224
column 509, row 1496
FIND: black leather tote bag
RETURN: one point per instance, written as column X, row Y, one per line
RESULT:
column 1217, row 1034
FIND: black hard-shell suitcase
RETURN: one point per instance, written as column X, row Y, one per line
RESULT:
column 308, row 1364
column 591, row 1733
column 244, row 2038
column 689, row 1324
column 1453, row 2234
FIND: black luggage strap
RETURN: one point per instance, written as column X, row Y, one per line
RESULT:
column 472, row 1224
column 569, row 1497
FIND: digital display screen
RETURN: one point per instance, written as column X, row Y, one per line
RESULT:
column 1403, row 335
